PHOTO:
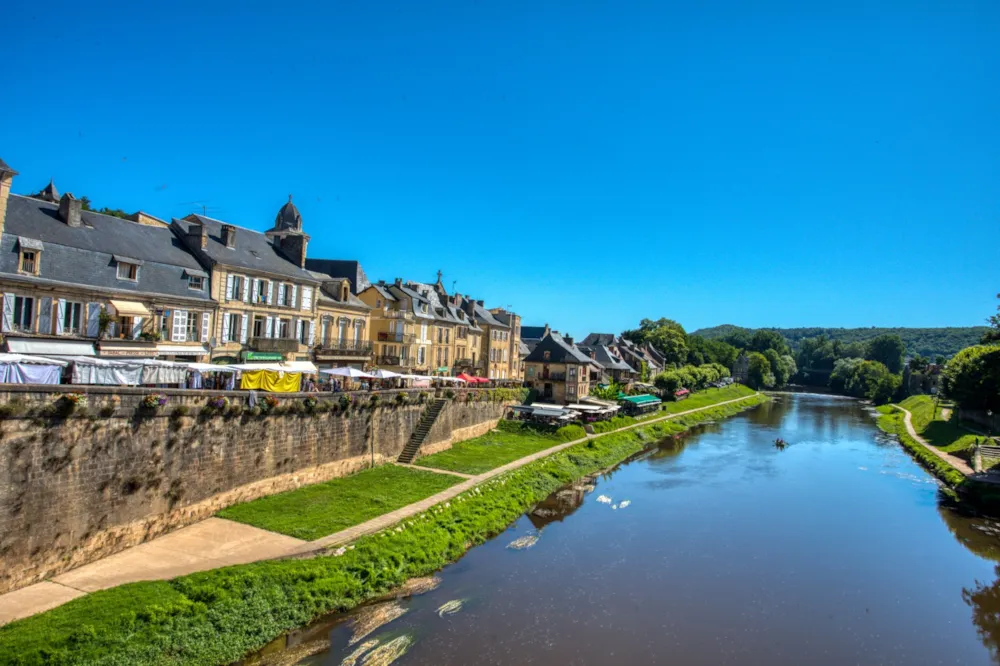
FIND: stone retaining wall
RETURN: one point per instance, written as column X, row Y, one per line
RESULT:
column 109, row 476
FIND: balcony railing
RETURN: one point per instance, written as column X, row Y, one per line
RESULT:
column 398, row 314
column 359, row 348
column 554, row 376
column 401, row 338
column 394, row 360
column 463, row 362
column 283, row 345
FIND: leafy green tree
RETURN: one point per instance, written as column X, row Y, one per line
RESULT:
column 702, row 350
column 919, row 363
column 843, row 371
column 764, row 339
column 782, row 366
column 665, row 334
column 887, row 350
column 668, row 381
column 759, row 373
column 643, row 371
column 972, row 377
column 992, row 334
column 609, row 392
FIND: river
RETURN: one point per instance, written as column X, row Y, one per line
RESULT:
column 717, row 548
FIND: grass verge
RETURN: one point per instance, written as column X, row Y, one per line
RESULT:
column 216, row 617
column 947, row 436
column 315, row 511
column 509, row 442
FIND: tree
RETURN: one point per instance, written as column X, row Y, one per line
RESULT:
column 972, row 377
column 643, row 371
column 609, row 392
column 872, row 380
column 887, row 350
column 843, row 371
column 666, row 335
column 919, row 363
column 668, row 382
column 992, row 334
column 782, row 366
column 763, row 340
column 759, row 373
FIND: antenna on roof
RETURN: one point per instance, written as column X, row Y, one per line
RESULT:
column 203, row 204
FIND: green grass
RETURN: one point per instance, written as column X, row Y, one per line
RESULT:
column 708, row 397
column 944, row 435
column 315, row 511
column 216, row 617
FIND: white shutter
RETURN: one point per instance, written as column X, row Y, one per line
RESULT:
column 307, row 298
column 271, row 288
column 180, row 326
column 325, row 329
column 299, row 324
column 204, row 326
column 295, row 293
column 93, row 319
column 136, row 327
column 312, row 333
column 254, row 289
column 60, row 315
column 225, row 327
column 243, row 329
column 245, row 288
column 269, row 330
column 229, row 287
column 45, row 316
column 8, row 312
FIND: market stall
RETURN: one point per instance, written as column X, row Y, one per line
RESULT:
column 23, row 369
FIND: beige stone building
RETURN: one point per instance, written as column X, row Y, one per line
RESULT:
column 80, row 283
column 557, row 369
column 267, row 300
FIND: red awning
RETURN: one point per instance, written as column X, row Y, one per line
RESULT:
column 468, row 378
column 481, row 380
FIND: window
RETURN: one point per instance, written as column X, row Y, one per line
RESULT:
column 440, row 334
column 284, row 328
column 127, row 271
column 423, row 332
column 421, row 355
column 196, row 282
column 191, row 333
column 572, row 373
column 29, row 261
column 437, row 358
column 446, row 356
column 235, row 326
column 343, row 331
column 259, row 327
column 263, row 290
column 423, row 308
column 447, row 335
column 284, row 295
column 72, row 319
column 239, row 285
column 24, row 313
column 303, row 331
column 122, row 328
column 343, row 296
column 546, row 355
column 165, row 325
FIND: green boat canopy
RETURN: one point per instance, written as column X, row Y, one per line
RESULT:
column 644, row 399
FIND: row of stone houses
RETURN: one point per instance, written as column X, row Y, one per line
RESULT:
column 78, row 282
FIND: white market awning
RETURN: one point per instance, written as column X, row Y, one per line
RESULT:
column 51, row 347
column 300, row 366
column 39, row 360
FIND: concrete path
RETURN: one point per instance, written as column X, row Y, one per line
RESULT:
column 954, row 461
column 216, row 542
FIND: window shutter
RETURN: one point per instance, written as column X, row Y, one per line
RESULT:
column 271, row 287
column 60, row 315
column 307, row 298
column 45, row 316
column 225, row 327
column 8, row 312
column 270, row 328
column 312, row 333
column 295, row 293
column 229, row 287
column 243, row 329
column 180, row 326
column 93, row 319
column 245, row 288
column 136, row 327
column 205, row 317
column 254, row 289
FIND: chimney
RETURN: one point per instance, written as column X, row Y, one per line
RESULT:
column 196, row 235
column 294, row 247
column 6, row 178
column 569, row 340
column 548, row 330
column 69, row 210
column 229, row 235
column 480, row 304
column 398, row 282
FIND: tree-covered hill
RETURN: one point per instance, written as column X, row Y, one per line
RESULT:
column 928, row 342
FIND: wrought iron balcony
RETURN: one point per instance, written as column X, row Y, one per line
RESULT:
column 394, row 360
column 351, row 347
column 283, row 345
column 464, row 363
column 399, row 338
column 398, row 314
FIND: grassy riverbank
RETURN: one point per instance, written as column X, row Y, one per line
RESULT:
column 314, row 511
column 216, row 617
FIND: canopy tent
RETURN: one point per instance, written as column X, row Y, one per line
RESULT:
column 91, row 370
column 469, row 378
column 271, row 381
column 385, row 374
column 211, row 367
column 21, row 369
column 352, row 373
column 48, row 347
column 163, row 372
column 306, row 367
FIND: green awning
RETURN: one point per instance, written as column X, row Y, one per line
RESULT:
column 644, row 399
column 265, row 356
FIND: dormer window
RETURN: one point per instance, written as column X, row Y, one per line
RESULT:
column 127, row 271
column 423, row 308
column 30, row 255
column 29, row 262
column 196, row 282
column 546, row 355
column 343, row 293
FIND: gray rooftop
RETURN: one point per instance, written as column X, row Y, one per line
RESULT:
column 559, row 350
column 253, row 250
column 84, row 255
column 350, row 269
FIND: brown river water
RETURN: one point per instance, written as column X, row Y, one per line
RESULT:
column 712, row 549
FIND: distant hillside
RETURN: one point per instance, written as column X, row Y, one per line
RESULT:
column 929, row 342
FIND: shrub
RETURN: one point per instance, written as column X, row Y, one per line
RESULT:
column 269, row 403
column 570, row 433
column 423, row 395
column 153, row 401
column 69, row 403
column 292, row 407
column 450, row 394
column 345, row 402
column 235, row 409
column 255, row 411
column 107, row 411
column 402, row 399
column 180, row 410
column 323, row 406
column 218, row 403
column 12, row 408
column 373, row 401
column 310, row 404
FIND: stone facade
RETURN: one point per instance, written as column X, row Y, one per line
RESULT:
column 75, row 489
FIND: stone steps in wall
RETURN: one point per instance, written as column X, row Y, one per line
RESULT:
column 420, row 432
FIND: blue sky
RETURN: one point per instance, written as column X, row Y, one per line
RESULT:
column 589, row 164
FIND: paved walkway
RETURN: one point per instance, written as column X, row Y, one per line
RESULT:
column 954, row 461
column 216, row 542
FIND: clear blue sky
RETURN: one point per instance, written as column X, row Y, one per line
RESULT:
column 590, row 164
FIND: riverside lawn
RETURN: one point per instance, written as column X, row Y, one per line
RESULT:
column 216, row 617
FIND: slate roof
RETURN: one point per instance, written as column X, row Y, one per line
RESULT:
column 5, row 168
column 401, row 292
column 560, row 351
column 253, row 250
column 607, row 359
column 599, row 339
column 330, row 291
column 532, row 332
column 84, row 255
column 486, row 317
column 524, row 349
column 336, row 267
column 289, row 218
column 383, row 290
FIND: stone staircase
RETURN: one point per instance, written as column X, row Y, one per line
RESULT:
column 420, row 433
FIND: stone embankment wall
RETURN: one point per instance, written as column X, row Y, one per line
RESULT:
column 110, row 475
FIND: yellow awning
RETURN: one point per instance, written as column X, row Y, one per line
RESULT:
column 130, row 309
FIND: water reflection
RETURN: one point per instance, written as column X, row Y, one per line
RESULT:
column 837, row 550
